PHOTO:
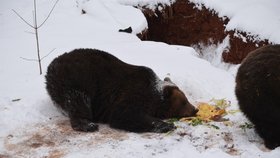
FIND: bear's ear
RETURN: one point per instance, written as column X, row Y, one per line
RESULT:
column 167, row 79
column 167, row 92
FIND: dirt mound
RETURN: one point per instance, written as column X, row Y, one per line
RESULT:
column 183, row 24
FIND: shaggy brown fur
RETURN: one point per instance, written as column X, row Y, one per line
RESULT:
column 94, row 86
column 258, row 92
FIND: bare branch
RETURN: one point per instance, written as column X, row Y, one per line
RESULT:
column 22, row 18
column 29, row 59
column 47, row 54
column 48, row 14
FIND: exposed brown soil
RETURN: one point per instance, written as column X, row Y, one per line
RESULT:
column 55, row 140
column 183, row 24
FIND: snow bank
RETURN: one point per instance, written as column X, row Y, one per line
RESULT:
column 111, row 11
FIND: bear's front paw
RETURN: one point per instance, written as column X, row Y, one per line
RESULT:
column 162, row 127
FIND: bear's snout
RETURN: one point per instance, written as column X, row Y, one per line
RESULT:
column 195, row 111
column 190, row 110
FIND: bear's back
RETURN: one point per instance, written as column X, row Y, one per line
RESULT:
column 86, row 65
column 90, row 57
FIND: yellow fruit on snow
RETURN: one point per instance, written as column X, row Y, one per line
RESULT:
column 209, row 112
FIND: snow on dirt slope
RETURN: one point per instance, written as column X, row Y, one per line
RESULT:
column 32, row 127
column 258, row 18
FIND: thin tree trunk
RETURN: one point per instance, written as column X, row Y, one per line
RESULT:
column 37, row 36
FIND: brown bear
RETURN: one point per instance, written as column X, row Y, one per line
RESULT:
column 93, row 86
column 258, row 92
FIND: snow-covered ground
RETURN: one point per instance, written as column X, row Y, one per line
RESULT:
column 32, row 127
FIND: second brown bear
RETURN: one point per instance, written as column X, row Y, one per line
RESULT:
column 258, row 92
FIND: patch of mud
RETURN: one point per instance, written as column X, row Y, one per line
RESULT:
column 4, row 156
column 56, row 154
column 230, row 146
column 55, row 140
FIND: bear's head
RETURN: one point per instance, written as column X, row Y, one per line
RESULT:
column 177, row 104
